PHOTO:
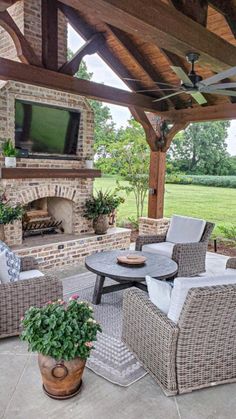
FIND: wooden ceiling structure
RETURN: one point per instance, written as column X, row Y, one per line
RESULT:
column 140, row 41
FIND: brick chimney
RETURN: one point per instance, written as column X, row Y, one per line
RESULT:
column 27, row 16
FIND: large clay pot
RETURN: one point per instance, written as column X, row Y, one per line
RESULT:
column 61, row 379
column 2, row 233
column 101, row 224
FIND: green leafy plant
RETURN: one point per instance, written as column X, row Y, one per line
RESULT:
column 9, row 213
column 228, row 231
column 8, row 149
column 62, row 331
column 102, row 203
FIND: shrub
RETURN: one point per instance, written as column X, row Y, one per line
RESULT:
column 204, row 180
column 228, row 231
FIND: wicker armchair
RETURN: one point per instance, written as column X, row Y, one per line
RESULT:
column 190, row 257
column 17, row 297
column 198, row 352
column 231, row 263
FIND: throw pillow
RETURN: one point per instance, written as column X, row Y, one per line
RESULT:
column 159, row 293
column 9, row 264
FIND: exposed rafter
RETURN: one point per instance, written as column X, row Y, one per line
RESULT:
column 164, row 26
column 50, row 34
column 195, row 9
column 24, row 50
column 128, row 44
column 11, row 70
column 90, row 47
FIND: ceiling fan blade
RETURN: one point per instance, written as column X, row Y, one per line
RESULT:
column 156, row 82
column 223, row 92
column 166, row 97
column 220, row 76
column 157, row 90
column 182, row 75
column 222, row 86
column 200, row 99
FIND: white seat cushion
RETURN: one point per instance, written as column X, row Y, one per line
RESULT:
column 159, row 293
column 34, row 273
column 183, row 285
column 165, row 248
column 185, row 229
column 230, row 271
column 9, row 265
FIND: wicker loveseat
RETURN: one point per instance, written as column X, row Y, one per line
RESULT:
column 198, row 351
column 17, row 297
column 190, row 257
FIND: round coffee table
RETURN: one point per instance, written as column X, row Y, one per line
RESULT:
column 104, row 264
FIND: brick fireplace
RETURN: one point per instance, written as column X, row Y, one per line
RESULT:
column 55, row 186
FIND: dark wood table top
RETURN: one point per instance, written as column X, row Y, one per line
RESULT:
column 105, row 264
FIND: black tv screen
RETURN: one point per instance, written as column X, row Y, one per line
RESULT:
column 45, row 129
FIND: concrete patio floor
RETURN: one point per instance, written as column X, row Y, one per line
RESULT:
column 21, row 395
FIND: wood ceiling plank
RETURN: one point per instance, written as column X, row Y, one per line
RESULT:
column 4, row 4
column 228, row 9
column 164, row 26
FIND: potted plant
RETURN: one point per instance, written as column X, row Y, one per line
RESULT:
column 10, row 153
column 63, row 335
column 99, row 207
column 8, row 214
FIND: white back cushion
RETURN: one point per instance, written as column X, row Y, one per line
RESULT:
column 183, row 285
column 165, row 248
column 33, row 273
column 159, row 293
column 185, row 229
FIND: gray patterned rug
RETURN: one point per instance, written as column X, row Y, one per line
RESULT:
column 111, row 359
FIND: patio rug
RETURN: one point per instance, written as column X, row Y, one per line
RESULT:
column 111, row 359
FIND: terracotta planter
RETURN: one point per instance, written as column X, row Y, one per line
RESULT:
column 61, row 379
column 2, row 233
column 101, row 224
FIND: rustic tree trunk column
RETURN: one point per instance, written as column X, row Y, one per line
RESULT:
column 156, row 184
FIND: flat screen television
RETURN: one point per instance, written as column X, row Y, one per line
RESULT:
column 45, row 129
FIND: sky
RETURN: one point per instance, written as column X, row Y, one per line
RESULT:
column 103, row 74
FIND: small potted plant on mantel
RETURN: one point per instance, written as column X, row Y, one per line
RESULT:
column 8, row 213
column 99, row 208
column 63, row 335
column 10, row 153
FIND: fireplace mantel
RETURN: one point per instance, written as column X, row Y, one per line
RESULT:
column 26, row 173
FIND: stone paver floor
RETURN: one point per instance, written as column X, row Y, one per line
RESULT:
column 21, row 396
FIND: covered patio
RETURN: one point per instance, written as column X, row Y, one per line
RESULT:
column 170, row 54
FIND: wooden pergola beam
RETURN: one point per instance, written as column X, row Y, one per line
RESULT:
column 164, row 26
column 24, row 50
column 90, row 47
column 50, row 34
column 11, row 70
column 223, row 111
column 152, row 136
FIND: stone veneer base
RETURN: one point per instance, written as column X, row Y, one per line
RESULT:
column 67, row 252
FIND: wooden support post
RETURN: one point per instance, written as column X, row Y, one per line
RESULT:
column 156, row 184
column 50, row 34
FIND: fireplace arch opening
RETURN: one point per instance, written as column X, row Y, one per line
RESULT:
column 48, row 215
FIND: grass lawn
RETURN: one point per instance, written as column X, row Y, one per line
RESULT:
column 211, row 203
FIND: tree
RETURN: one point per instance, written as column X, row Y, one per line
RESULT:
column 104, row 131
column 201, row 149
column 130, row 155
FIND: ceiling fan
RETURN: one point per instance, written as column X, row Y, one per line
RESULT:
column 194, row 85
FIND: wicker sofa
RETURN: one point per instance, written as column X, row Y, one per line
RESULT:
column 198, row 351
column 190, row 257
column 17, row 297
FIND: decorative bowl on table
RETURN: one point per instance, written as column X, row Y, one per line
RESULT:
column 131, row 259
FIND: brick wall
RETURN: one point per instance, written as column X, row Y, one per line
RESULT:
column 152, row 226
column 27, row 15
column 75, row 251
